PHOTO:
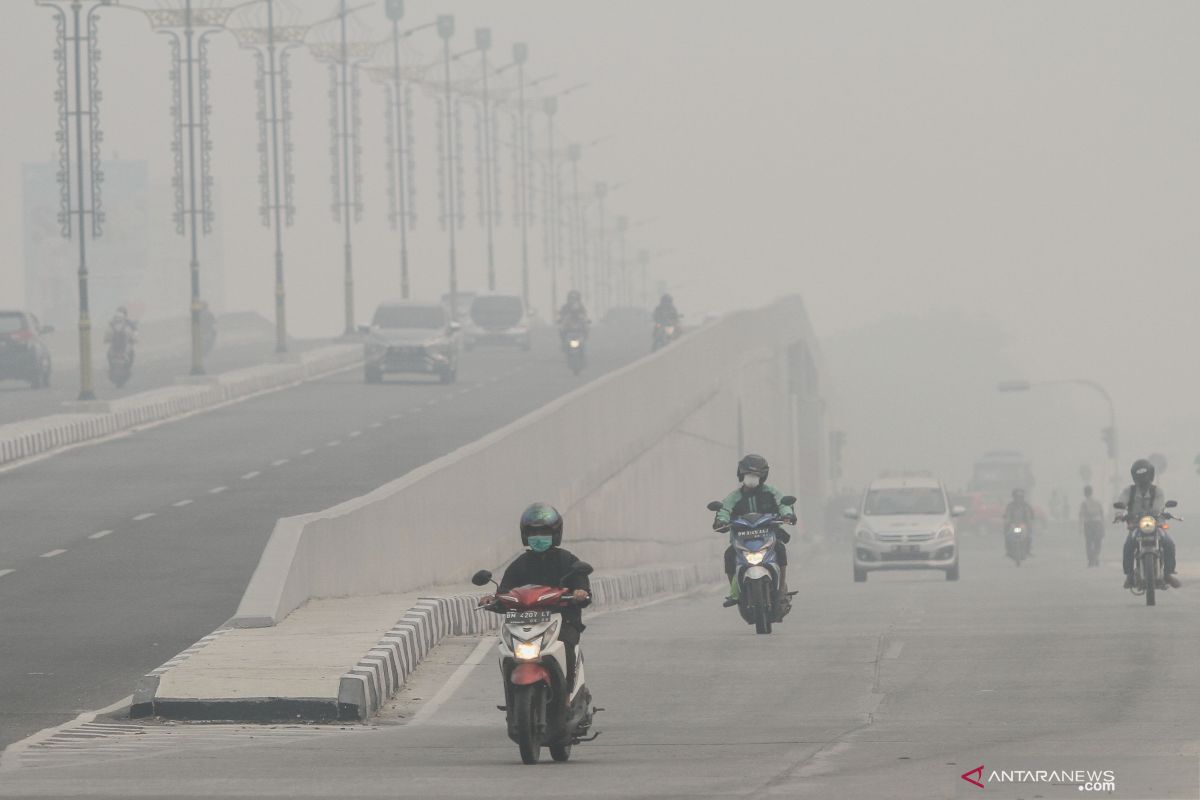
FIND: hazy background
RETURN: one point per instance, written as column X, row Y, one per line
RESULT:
column 963, row 192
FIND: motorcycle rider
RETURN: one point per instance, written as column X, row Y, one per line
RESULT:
column 1019, row 512
column 545, row 563
column 121, row 328
column 753, row 494
column 1091, row 525
column 665, row 313
column 573, row 315
column 1141, row 499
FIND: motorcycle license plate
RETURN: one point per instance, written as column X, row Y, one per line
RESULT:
column 527, row 617
column 907, row 549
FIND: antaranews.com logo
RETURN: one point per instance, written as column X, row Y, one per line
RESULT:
column 1087, row 780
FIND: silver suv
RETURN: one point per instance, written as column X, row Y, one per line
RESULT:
column 411, row 337
column 905, row 523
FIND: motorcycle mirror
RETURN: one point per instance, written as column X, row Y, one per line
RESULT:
column 1119, row 505
column 481, row 577
column 715, row 505
column 1171, row 504
column 850, row 513
column 787, row 500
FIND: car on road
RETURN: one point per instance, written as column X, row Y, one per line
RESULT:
column 905, row 522
column 411, row 337
column 23, row 354
column 498, row 319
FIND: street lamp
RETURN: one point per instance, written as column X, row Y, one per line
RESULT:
column 520, row 56
column 445, row 25
column 276, row 176
column 579, row 232
column 1108, row 435
column 84, row 201
column 345, row 57
column 553, row 215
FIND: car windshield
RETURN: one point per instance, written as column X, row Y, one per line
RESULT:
column 11, row 322
column 496, row 311
column 410, row 317
column 905, row 501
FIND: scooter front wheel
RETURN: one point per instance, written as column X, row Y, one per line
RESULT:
column 528, row 709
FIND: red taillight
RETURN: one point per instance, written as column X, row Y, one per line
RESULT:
column 23, row 335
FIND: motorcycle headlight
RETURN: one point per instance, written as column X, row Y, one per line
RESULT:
column 527, row 651
column 754, row 557
column 575, row 343
column 1147, row 524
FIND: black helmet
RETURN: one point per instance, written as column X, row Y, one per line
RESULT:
column 1087, row 491
column 753, row 464
column 1142, row 472
column 667, row 300
column 540, row 519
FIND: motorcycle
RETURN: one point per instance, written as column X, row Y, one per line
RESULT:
column 1016, row 542
column 575, row 345
column 541, row 709
column 1149, row 573
column 763, row 598
column 120, row 357
column 664, row 334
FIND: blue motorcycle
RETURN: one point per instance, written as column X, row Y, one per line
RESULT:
column 763, row 598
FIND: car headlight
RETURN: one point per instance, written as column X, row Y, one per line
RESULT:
column 527, row 651
column 754, row 557
column 945, row 533
column 1147, row 524
column 575, row 343
column 865, row 534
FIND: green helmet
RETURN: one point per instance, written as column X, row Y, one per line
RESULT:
column 541, row 519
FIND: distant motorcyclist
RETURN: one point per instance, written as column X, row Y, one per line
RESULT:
column 573, row 316
column 1142, row 499
column 753, row 495
column 1091, row 525
column 1019, row 512
column 546, row 564
column 665, row 313
column 121, row 334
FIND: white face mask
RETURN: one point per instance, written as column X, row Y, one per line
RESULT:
column 750, row 481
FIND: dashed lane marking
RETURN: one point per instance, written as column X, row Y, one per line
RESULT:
column 375, row 425
column 395, row 416
column 334, row 443
column 99, row 534
column 182, row 503
column 53, row 553
column 4, row 572
column 218, row 489
column 355, row 434
column 307, row 452
column 251, row 475
column 143, row 517
column 279, row 462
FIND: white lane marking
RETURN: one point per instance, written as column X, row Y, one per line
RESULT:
column 279, row 462
column 430, row 708
column 182, row 503
column 10, row 759
column 355, row 434
column 218, row 489
column 334, row 443
column 251, row 475
column 375, row 425
column 395, row 416
column 4, row 572
column 893, row 649
column 307, row 452
column 99, row 534
column 416, row 410
column 53, row 553
column 142, row 517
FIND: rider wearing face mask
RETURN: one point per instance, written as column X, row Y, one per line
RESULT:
column 1141, row 499
column 546, row 564
column 753, row 495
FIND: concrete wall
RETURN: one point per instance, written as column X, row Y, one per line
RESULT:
column 630, row 459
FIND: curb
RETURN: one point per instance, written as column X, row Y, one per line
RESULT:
column 386, row 667
column 20, row 440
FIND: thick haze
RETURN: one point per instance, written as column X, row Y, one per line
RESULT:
column 957, row 189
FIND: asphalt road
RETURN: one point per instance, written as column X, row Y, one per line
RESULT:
column 19, row 402
column 116, row 556
column 892, row 689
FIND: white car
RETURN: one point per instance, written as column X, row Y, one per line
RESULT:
column 905, row 523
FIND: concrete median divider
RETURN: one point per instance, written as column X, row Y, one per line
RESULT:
column 20, row 440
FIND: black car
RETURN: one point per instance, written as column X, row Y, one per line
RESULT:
column 411, row 337
column 23, row 354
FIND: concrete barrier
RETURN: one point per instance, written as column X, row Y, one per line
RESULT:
column 19, row 440
column 630, row 459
